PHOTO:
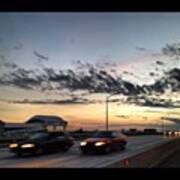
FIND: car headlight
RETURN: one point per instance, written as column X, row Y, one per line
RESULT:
column 27, row 145
column 83, row 143
column 100, row 143
column 13, row 145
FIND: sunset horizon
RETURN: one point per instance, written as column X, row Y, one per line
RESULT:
column 66, row 64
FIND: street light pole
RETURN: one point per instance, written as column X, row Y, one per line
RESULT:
column 107, row 114
column 163, row 129
column 163, row 125
column 107, row 110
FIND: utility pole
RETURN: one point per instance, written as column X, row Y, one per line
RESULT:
column 107, row 110
column 107, row 114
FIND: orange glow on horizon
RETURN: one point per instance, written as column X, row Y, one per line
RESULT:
column 82, row 115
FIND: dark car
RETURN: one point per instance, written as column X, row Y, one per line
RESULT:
column 104, row 142
column 40, row 143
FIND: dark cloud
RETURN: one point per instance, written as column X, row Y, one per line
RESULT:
column 113, row 100
column 150, row 103
column 153, row 102
column 91, row 79
column 25, row 79
column 73, row 99
column 127, row 72
column 52, row 101
column 6, row 64
column 130, row 74
column 18, row 46
column 40, row 56
column 79, row 65
column 9, row 65
column 152, row 111
column 172, row 50
column 170, row 81
column 172, row 119
column 152, row 74
column 159, row 63
column 122, row 116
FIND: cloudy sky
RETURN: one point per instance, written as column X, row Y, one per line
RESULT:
column 67, row 63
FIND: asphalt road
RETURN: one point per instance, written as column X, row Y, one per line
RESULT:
column 172, row 161
column 74, row 159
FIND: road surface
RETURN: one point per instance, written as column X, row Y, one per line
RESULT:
column 172, row 161
column 74, row 159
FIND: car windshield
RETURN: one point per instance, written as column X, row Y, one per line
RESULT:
column 39, row 136
column 103, row 134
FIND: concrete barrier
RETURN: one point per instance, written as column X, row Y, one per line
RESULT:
column 150, row 158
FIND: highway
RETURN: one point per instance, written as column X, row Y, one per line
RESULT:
column 172, row 161
column 74, row 159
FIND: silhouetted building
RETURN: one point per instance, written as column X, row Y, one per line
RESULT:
column 133, row 130
column 1, row 127
column 150, row 131
column 39, row 123
column 52, row 123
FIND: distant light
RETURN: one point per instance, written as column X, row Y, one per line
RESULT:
column 176, row 133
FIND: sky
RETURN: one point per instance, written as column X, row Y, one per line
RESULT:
column 67, row 63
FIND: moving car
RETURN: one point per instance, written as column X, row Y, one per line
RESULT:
column 104, row 142
column 43, row 142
